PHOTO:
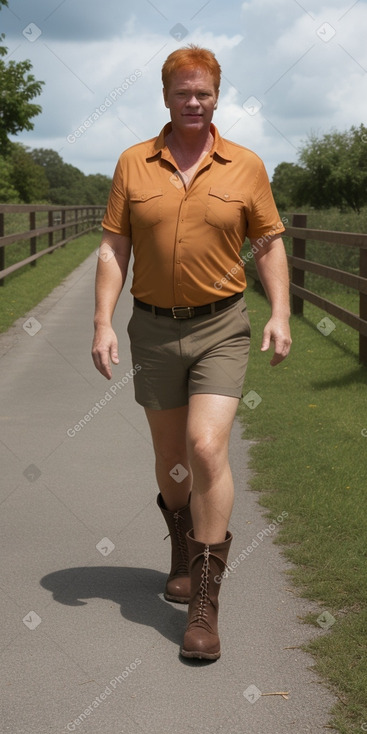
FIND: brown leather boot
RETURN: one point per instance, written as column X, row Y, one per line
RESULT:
column 178, row 523
column 207, row 562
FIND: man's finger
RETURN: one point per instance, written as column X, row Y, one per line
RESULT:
column 265, row 342
column 102, row 362
column 281, row 351
column 114, row 354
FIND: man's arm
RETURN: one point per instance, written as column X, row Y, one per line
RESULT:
column 271, row 263
column 113, row 260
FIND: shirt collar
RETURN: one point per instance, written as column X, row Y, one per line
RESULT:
column 219, row 146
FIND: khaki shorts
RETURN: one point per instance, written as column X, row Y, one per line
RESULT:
column 183, row 357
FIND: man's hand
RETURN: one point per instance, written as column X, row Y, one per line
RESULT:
column 277, row 331
column 104, row 349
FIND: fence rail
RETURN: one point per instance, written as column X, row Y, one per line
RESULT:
column 67, row 221
column 299, row 265
column 73, row 221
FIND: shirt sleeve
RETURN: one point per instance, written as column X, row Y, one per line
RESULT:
column 263, row 216
column 117, row 215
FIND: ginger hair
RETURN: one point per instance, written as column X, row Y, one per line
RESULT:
column 191, row 57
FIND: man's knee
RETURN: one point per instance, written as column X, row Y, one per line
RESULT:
column 208, row 449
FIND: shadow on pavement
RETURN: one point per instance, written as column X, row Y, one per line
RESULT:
column 136, row 590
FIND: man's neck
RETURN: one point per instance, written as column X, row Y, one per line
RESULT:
column 190, row 142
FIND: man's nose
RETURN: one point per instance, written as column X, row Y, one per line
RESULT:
column 193, row 101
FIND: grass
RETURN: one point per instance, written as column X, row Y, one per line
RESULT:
column 25, row 288
column 309, row 460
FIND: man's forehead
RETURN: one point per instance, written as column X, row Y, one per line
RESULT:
column 192, row 77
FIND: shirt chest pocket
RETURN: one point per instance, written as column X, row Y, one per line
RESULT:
column 224, row 208
column 146, row 207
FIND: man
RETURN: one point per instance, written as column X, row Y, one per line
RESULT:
column 186, row 201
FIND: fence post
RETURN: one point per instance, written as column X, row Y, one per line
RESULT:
column 76, row 216
column 2, row 249
column 33, row 240
column 50, row 224
column 63, row 220
column 363, row 305
column 298, row 250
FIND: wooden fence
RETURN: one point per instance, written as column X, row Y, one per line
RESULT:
column 72, row 221
column 299, row 265
column 64, row 223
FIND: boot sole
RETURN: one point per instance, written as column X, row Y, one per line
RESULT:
column 177, row 599
column 200, row 655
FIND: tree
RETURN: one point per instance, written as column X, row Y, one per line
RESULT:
column 97, row 188
column 287, row 184
column 67, row 184
column 336, row 169
column 52, row 164
column 65, row 181
column 28, row 178
column 17, row 89
column 349, row 178
column 8, row 193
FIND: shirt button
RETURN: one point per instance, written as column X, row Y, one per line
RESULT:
column 226, row 196
column 143, row 197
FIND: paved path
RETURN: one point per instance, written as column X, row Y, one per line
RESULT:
column 88, row 643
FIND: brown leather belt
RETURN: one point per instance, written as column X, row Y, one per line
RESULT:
column 189, row 312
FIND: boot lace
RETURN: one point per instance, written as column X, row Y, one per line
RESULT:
column 200, row 615
column 182, row 544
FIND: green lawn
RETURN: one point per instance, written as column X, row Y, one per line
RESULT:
column 311, row 461
column 26, row 287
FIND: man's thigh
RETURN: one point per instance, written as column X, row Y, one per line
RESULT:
column 209, row 422
column 220, row 353
column 168, row 429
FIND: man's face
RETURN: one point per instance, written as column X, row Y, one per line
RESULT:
column 191, row 99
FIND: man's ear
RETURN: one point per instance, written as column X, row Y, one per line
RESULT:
column 216, row 103
column 165, row 96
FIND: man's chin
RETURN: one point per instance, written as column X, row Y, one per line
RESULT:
column 195, row 120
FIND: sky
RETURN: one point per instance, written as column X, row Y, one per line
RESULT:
column 289, row 70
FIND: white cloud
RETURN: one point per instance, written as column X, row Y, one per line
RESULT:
column 305, row 81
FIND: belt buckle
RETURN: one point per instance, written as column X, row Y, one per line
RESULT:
column 183, row 312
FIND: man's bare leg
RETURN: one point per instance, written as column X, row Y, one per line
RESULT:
column 168, row 428
column 197, row 437
column 209, row 423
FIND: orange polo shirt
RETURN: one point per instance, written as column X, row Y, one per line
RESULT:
column 186, row 243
